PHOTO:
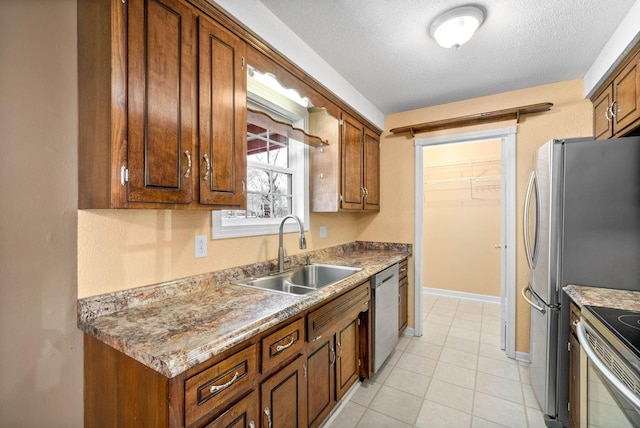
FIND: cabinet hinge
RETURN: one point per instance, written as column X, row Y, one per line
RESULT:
column 569, row 346
column 124, row 175
column 358, row 321
column 358, row 362
column 340, row 197
column 569, row 407
column 243, row 63
column 341, row 122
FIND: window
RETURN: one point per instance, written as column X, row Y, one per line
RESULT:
column 277, row 177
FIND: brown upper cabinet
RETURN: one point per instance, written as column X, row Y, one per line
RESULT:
column 163, row 110
column 223, row 116
column 616, row 107
column 139, row 89
column 346, row 174
column 360, row 160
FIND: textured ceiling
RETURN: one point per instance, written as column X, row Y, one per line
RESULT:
column 383, row 47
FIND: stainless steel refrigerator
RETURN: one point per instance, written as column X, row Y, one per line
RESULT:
column 582, row 227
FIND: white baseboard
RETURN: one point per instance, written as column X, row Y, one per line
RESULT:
column 461, row 295
column 409, row 331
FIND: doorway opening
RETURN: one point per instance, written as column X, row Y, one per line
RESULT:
column 475, row 171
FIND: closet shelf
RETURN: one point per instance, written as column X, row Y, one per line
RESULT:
column 462, row 180
column 465, row 162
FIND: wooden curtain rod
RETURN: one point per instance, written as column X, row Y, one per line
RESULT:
column 474, row 119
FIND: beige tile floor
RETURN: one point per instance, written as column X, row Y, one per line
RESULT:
column 455, row 375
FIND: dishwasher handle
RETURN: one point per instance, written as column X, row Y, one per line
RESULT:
column 386, row 275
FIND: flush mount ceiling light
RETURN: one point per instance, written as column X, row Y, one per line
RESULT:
column 455, row 27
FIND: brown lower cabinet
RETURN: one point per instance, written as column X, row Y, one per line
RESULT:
column 334, row 359
column 403, row 296
column 283, row 397
column 244, row 414
column 292, row 375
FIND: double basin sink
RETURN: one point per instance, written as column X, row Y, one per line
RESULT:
column 300, row 280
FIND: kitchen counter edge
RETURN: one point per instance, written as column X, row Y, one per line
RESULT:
column 605, row 297
column 173, row 326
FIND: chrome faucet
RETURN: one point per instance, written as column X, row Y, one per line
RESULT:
column 303, row 241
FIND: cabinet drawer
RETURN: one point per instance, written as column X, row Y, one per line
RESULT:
column 284, row 343
column 403, row 270
column 348, row 305
column 212, row 387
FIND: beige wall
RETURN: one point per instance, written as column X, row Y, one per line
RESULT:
column 461, row 221
column 121, row 249
column 570, row 117
column 41, row 350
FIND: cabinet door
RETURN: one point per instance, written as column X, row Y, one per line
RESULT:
column 161, row 95
column 347, row 371
column 243, row 414
column 602, row 124
column 371, row 171
column 223, row 116
column 625, row 93
column 320, row 379
column 283, row 397
column 352, row 191
column 403, row 310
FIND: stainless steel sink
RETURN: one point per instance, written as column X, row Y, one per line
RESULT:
column 300, row 280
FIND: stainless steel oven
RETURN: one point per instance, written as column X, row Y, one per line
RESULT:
column 610, row 367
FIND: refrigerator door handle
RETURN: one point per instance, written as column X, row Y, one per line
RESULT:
column 533, row 305
column 527, row 202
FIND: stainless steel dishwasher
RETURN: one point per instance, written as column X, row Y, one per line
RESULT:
column 385, row 314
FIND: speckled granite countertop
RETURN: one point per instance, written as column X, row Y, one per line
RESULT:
column 610, row 298
column 173, row 326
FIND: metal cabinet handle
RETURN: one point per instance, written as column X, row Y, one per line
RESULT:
column 217, row 388
column 333, row 354
column 208, row 169
column 607, row 111
column 268, row 413
column 281, row 348
column 533, row 305
column 252, row 424
column 188, row 155
column 340, row 345
column 362, row 193
column 611, row 110
column 244, row 186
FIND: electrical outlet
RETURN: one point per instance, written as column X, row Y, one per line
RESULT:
column 200, row 247
column 323, row 231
